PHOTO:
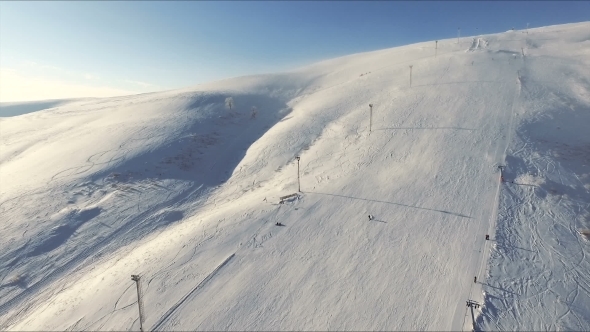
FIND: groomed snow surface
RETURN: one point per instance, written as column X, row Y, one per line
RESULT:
column 177, row 188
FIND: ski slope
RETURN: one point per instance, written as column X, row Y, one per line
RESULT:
column 538, row 272
column 178, row 189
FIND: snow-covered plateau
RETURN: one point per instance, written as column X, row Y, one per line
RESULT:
column 489, row 135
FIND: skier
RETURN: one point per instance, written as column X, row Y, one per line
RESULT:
column 371, row 217
column 475, row 279
column 487, row 237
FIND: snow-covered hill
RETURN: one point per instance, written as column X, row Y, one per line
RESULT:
column 178, row 189
column 18, row 108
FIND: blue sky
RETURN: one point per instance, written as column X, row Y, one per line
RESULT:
column 82, row 48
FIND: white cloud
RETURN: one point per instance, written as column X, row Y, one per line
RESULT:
column 15, row 86
column 142, row 84
column 38, row 66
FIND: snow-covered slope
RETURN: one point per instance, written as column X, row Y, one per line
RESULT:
column 18, row 108
column 539, row 270
column 184, row 192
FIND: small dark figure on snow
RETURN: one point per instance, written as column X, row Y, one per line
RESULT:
column 487, row 237
column 371, row 217
column 279, row 223
column 475, row 279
